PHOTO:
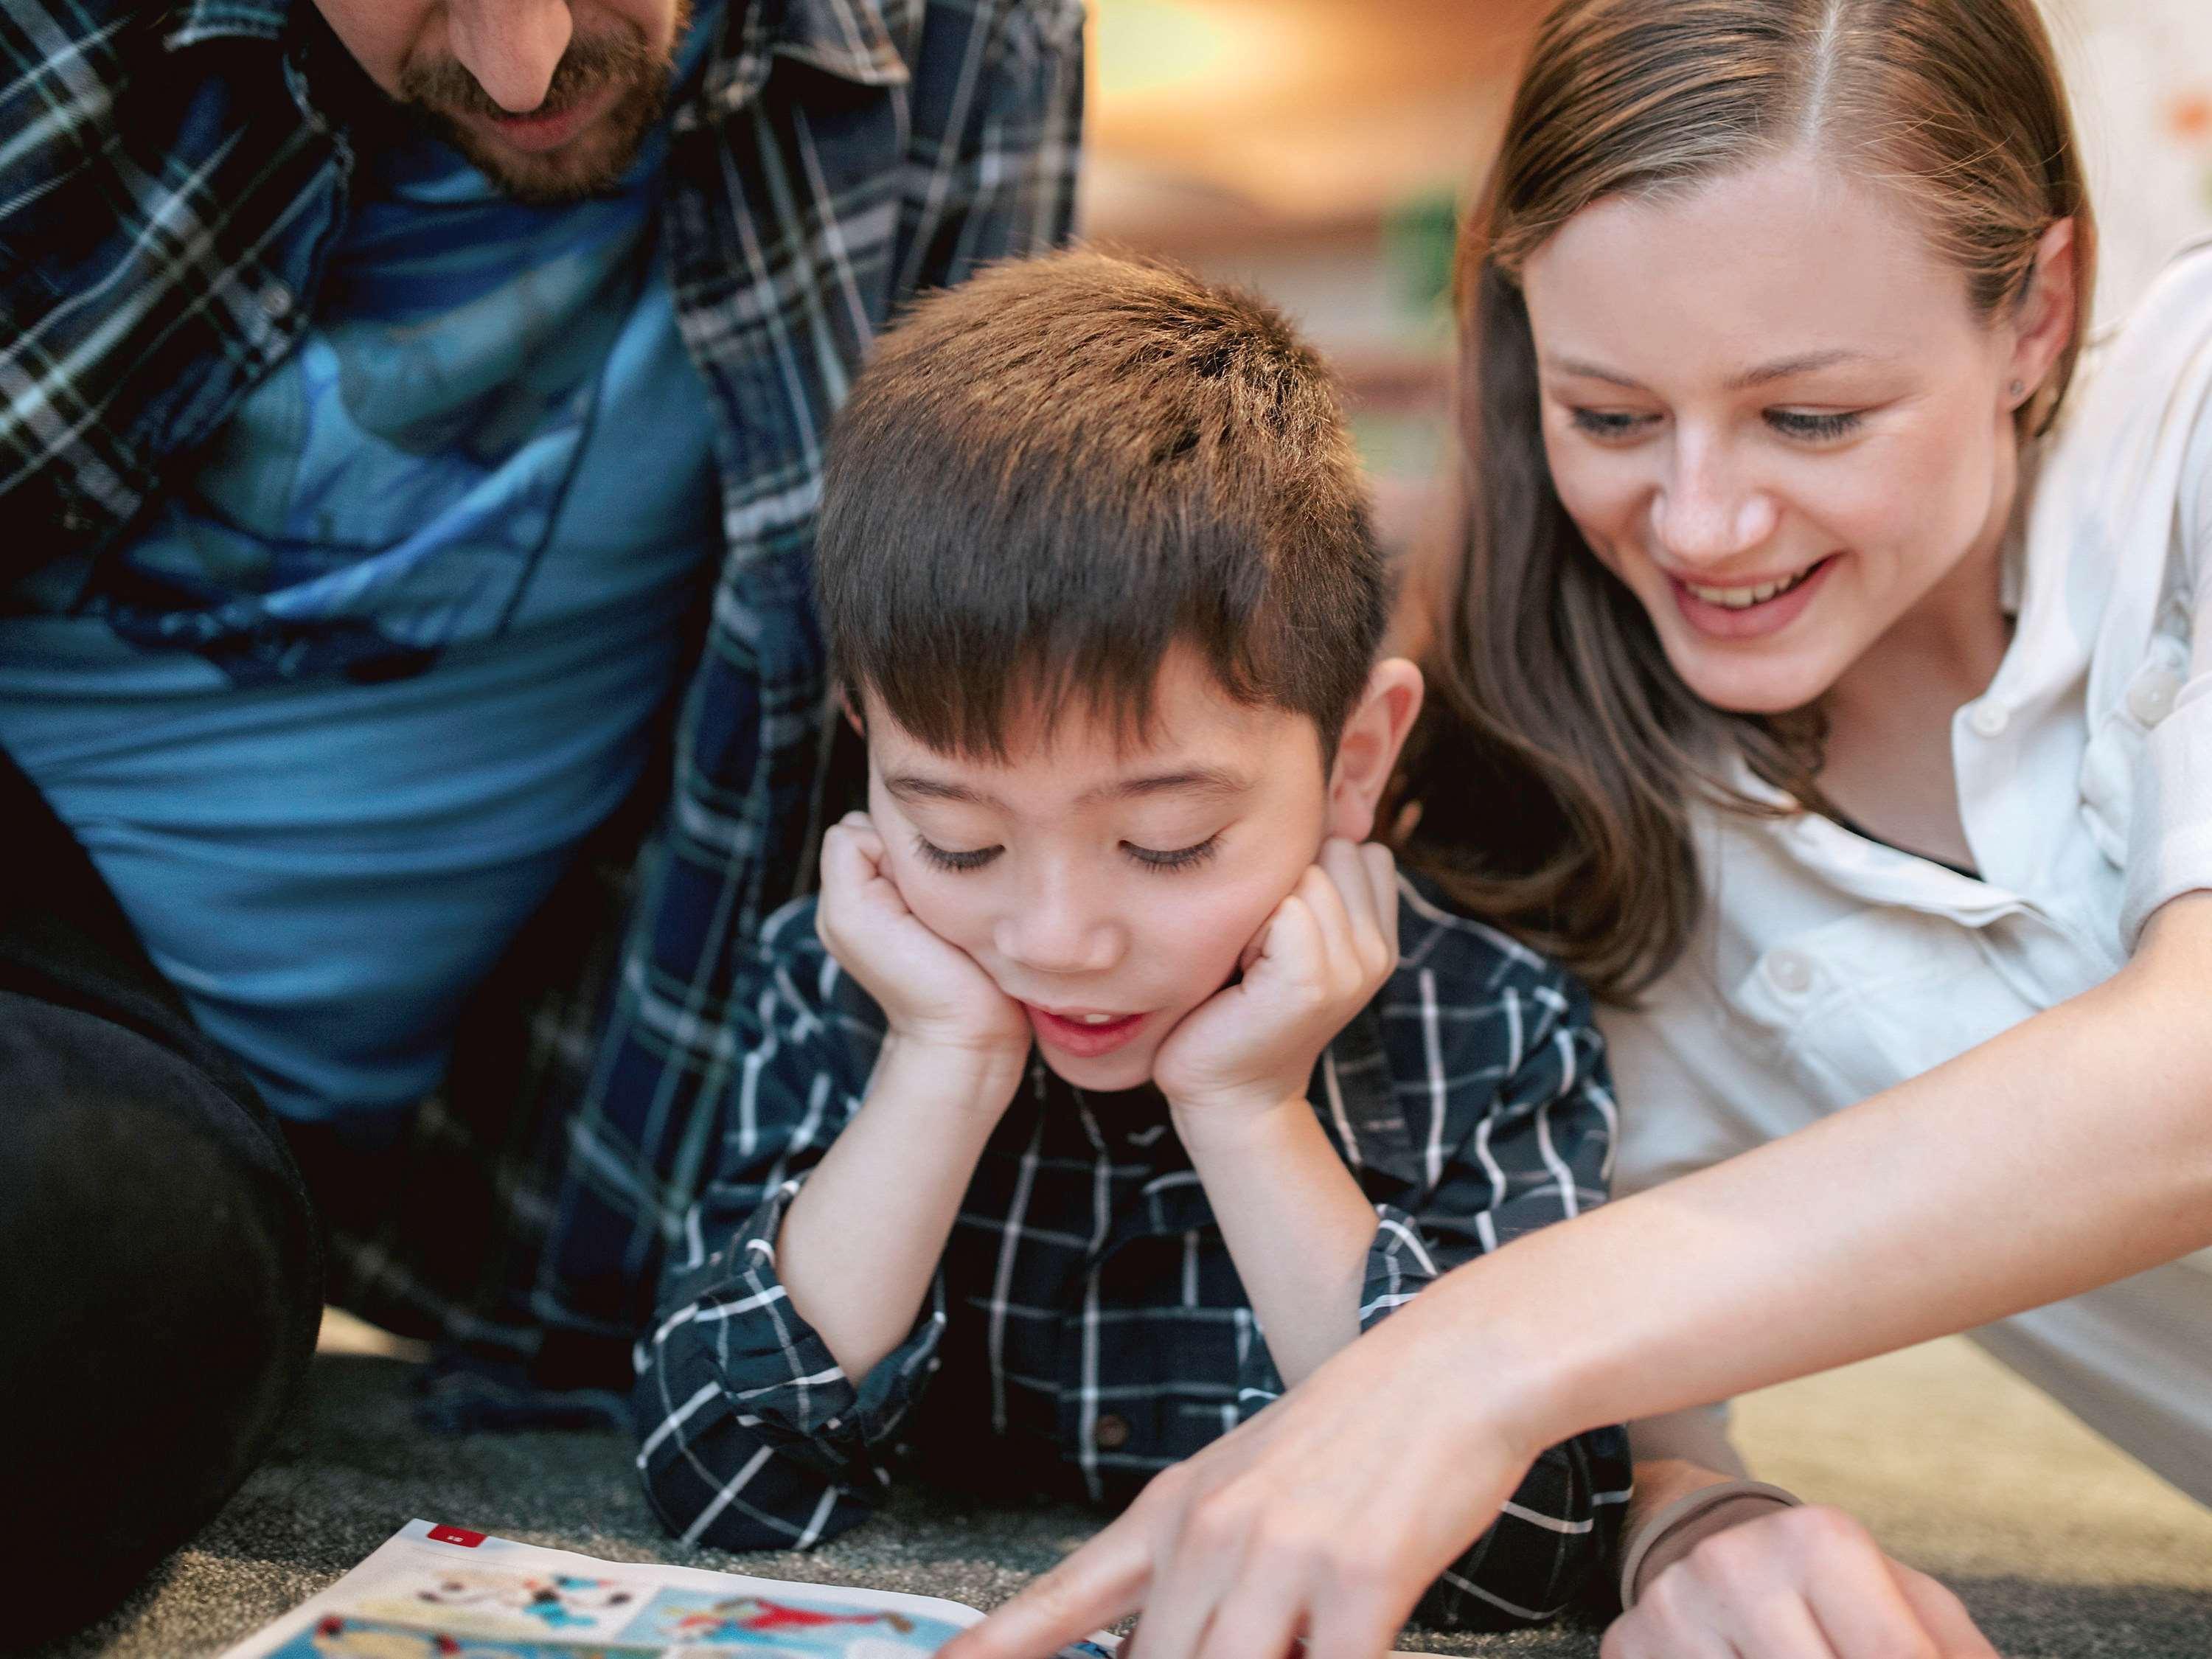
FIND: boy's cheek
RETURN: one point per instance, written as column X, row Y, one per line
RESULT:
column 923, row 890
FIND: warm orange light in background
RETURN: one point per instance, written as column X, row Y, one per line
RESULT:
column 1205, row 112
column 1179, row 49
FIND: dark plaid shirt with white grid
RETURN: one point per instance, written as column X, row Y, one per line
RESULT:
column 171, row 178
column 1086, row 1327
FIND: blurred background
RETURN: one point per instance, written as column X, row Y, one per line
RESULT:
column 1318, row 151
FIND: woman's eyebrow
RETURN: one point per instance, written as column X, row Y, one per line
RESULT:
column 1782, row 367
column 1587, row 371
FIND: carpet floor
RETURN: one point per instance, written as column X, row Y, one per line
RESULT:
column 2062, row 1548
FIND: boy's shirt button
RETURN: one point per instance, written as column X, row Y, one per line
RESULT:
column 1109, row 1433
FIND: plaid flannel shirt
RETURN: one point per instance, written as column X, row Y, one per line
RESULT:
column 1086, row 1327
column 172, row 177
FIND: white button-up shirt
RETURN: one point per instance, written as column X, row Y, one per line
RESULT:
column 1829, row 967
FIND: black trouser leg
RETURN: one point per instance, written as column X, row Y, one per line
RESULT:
column 159, row 1271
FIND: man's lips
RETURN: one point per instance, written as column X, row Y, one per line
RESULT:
column 1080, row 1032
column 539, row 132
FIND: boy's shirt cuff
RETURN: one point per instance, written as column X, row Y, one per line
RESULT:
column 775, row 1368
column 1400, row 1266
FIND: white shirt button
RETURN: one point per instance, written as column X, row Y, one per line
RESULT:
column 2150, row 699
column 275, row 302
column 1791, row 972
column 1989, row 718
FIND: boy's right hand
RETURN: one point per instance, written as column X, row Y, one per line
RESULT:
column 934, row 994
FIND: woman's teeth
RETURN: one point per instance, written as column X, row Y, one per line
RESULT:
column 1743, row 598
column 1096, row 1020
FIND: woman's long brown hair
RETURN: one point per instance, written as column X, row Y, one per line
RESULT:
column 1551, row 784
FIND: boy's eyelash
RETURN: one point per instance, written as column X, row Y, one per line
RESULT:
column 1182, row 857
column 945, row 858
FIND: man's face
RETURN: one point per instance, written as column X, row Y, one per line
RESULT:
column 550, row 100
column 1088, row 875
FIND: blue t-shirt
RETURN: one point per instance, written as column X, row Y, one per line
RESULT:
column 333, row 724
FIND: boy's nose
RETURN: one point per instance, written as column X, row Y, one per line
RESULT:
column 1051, row 935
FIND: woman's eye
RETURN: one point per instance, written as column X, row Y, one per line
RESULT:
column 1613, row 423
column 1181, row 858
column 1807, row 423
column 945, row 858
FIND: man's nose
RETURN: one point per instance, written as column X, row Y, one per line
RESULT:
column 1706, row 511
column 511, row 46
column 1053, row 931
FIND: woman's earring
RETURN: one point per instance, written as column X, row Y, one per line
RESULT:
column 2014, row 390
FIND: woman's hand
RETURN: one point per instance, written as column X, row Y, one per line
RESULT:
column 1326, row 1516
column 1801, row 1583
column 934, row 994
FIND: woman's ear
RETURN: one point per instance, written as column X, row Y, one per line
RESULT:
column 851, row 711
column 1367, row 748
column 2045, row 322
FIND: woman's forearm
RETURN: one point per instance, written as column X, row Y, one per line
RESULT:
column 2072, row 1151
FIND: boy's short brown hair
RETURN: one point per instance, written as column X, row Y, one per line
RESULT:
column 1047, row 476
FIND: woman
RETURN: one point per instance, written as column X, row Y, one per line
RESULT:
column 1806, row 677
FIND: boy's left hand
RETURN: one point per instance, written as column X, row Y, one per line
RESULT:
column 1321, row 958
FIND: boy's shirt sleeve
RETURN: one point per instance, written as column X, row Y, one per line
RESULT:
column 752, row 1435
column 1501, row 1120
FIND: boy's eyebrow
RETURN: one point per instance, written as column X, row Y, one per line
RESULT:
column 911, row 785
column 1197, row 780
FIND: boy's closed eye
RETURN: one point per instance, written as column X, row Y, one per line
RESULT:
column 1149, row 858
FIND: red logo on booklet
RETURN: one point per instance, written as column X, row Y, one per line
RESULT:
column 461, row 1535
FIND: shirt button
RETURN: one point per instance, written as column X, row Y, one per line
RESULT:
column 1989, row 718
column 2150, row 699
column 1110, row 1433
column 1791, row 973
column 275, row 302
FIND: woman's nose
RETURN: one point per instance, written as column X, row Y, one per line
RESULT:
column 1707, row 512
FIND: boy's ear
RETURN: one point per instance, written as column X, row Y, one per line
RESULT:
column 1368, row 747
column 851, row 711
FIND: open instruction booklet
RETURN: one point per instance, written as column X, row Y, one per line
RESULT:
column 441, row 1592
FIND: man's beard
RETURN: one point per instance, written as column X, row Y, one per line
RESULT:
column 443, row 92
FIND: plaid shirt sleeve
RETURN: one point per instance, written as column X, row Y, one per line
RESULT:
column 1543, row 1152
column 1506, row 1110
column 756, row 1438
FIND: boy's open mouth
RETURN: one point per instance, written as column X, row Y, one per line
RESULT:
column 1082, row 1033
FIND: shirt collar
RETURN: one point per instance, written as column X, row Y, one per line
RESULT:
column 218, row 19
column 847, row 38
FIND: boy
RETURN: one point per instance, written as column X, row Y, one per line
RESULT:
column 1114, row 1081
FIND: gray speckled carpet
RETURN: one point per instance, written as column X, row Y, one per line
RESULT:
column 2062, row 1548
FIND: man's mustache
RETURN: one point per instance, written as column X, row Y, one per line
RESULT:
column 591, row 62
